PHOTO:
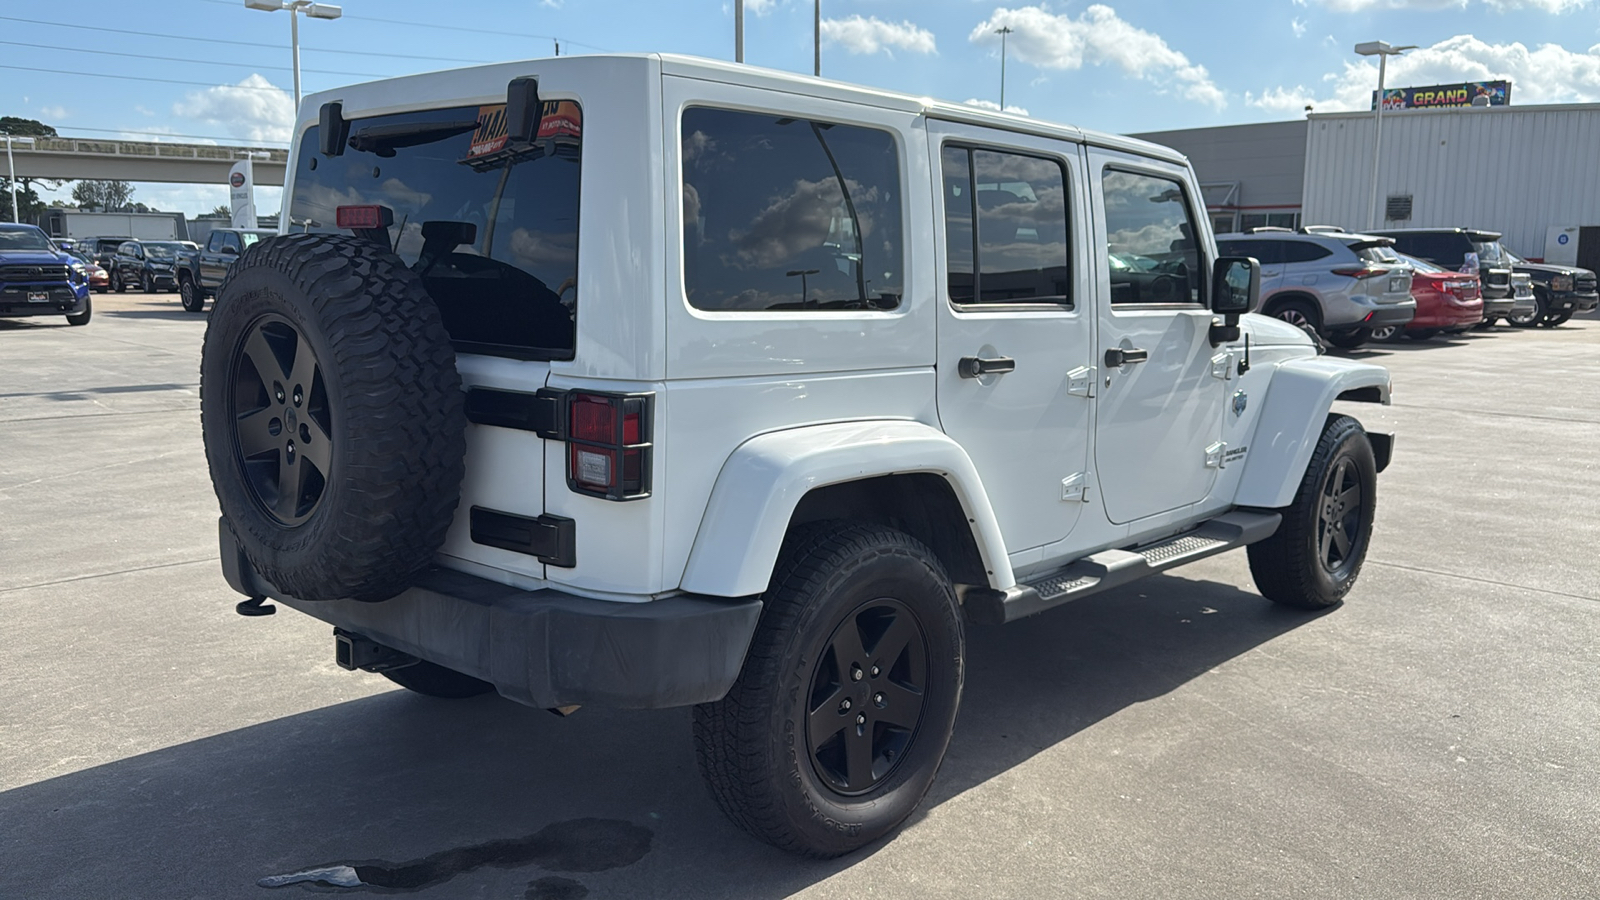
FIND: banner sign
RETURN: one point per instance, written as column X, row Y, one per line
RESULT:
column 1437, row 95
column 241, row 194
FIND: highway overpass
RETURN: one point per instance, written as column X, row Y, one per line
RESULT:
column 79, row 158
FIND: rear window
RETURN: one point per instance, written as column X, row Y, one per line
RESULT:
column 494, row 235
column 1490, row 252
column 783, row 213
column 1376, row 254
column 1304, row 251
column 1446, row 249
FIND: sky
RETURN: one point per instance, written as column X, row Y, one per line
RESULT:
column 212, row 71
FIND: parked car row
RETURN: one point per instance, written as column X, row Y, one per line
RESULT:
column 1351, row 288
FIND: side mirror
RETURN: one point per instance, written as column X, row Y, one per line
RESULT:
column 1235, row 289
column 229, row 250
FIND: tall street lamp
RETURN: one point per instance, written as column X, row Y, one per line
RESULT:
column 816, row 38
column 1003, row 31
column 27, row 141
column 314, row 10
column 738, row 31
column 1382, row 51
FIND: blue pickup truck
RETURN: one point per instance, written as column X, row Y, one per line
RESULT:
column 38, row 279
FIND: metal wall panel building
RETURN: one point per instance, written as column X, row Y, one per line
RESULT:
column 1248, row 172
column 1517, row 170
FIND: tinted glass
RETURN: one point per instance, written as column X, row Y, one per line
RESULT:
column 1148, row 216
column 1489, row 252
column 162, row 249
column 1265, row 252
column 1022, row 228
column 781, row 213
column 232, row 240
column 1377, row 255
column 1421, row 265
column 23, row 239
column 491, row 227
column 958, row 233
column 1303, row 251
column 1448, row 249
column 214, row 243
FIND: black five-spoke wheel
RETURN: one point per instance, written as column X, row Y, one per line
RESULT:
column 866, row 696
column 1339, row 527
column 281, row 420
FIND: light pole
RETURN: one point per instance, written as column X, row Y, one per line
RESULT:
column 15, row 215
column 1382, row 51
column 738, row 31
column 314, row 10
column 1003, row 31
column 816, row 38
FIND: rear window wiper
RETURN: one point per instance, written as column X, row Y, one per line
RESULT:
column 385, row 139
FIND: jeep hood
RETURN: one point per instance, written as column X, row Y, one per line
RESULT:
column 1266, row 331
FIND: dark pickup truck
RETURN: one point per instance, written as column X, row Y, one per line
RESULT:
column 1560, row 291
column 200, row 272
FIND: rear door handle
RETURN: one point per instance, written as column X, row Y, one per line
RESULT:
column 974, row 366
column 1117, row 356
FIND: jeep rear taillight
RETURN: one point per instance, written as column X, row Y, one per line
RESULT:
column 608, row 444
column 362, row 217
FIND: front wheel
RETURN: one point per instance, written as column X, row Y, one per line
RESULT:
column 1313, row 559
column 189, row 294
column 83, row 317
column 844, row 708
column 148, row 284
column 1530, row 319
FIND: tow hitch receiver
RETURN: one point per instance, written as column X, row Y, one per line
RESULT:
column 352, row 651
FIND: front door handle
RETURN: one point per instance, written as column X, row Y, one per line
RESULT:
column 1117, row 356
column 974, row 366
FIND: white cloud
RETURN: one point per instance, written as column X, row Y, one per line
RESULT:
column 1298, row 26
column 761, row 7
column 1097, row 37
column 1549, row 6
column 54, row 112
column 1548, row 73
column 995, row 107
column 254, row 109
column 862, row 35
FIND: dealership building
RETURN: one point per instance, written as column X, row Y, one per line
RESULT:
column 1531, row 173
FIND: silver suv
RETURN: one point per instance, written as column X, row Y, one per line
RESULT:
column 1337, row 284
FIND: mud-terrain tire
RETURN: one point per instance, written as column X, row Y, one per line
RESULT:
column 432, row 680
column 359, row 507
column 190, row 296
column 1313, row 559
column 858, row 621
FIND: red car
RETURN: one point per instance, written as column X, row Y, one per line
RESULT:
column 1446, row 301
column 99, row 279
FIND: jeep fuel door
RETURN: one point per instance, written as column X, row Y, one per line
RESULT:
column 1015, row 339
column 1157, row 422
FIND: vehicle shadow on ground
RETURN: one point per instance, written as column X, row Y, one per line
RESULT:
column 500, row 799
column 176, row 314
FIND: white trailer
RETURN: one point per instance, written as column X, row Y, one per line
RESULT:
column 79, row 223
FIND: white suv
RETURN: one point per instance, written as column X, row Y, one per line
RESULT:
column 647, row 381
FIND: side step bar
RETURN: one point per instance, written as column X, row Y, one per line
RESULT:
column 1114, row 568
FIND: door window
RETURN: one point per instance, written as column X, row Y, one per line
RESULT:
column 784, row 213
column 1017, row 253
column 1303, row 251
column 1151, row 240
column 231, row 241
column 215, row 242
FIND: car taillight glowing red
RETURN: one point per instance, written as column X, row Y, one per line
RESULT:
column 608, row 450
column 359, row 216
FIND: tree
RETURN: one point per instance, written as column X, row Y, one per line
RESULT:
column 224, row 212
column 107, row 195
column 15, row 125
column 28, row 203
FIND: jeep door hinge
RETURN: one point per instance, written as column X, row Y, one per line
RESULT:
column 1214, row 455
column 1080, row 381
column 1075, row 487
column 1222, row 366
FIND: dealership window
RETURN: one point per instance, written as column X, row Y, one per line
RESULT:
column 785, row 213
column 1152, row 254
column 1248, row 221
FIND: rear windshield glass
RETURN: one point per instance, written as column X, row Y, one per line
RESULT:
column 491, row 228
column 1422, row 265
column 1378, row 254
column 1489, row 252
column 166, row 250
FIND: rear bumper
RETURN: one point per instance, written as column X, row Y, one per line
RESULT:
column 1498, row 307
column 1391, row 315
column 545, row 648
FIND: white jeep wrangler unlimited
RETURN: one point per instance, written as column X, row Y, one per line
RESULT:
column 647, row 381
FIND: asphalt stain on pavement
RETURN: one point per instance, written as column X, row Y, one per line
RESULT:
column 576, row 845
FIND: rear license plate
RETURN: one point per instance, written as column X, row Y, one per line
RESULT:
column 38, row 297
column 1396, row 285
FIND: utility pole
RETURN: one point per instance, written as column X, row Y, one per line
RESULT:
column 1382, row 51
column 1003, row 31
column 738, row 31
column 816, row 37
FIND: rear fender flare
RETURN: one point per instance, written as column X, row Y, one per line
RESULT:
column 1298, row 400
column 764, row 479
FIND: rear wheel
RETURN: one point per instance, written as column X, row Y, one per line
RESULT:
column 1386, row 332
column 1313, row 559
column 148, row 284
column 433, row 680
column 844, row 708
column 1300, row 314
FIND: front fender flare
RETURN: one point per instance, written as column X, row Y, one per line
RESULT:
column 764, row 479
column 1298, row 400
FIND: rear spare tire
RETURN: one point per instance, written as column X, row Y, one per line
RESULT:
column 333, row 416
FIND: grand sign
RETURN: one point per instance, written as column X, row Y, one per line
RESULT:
column 1436, row 95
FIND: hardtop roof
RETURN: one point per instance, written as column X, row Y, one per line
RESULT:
column 365, row 95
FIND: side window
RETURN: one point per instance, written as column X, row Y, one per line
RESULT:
column 231, row 241
column 1268, row 253
column 781, row 213
column 1151, row 238
column 214, row 243
column 1018, row 253
column 1304, row 251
